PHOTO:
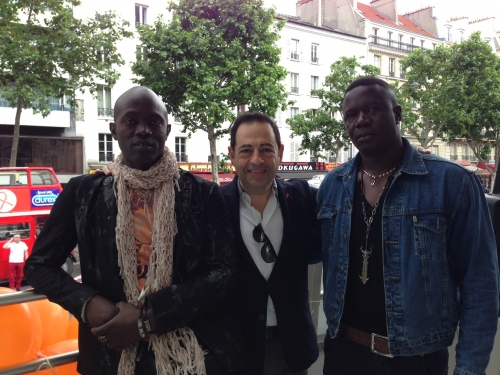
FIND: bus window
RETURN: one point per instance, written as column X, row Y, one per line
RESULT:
column 8, row 230
column 42, row 177
column 40, row 222
column 13, row 177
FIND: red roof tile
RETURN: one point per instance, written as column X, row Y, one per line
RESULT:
column 404, row 23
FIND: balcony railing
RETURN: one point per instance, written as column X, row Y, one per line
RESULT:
column 465, row 157
column 315, row 60
column 52, row 107
column 105, row 112
column 106, row 157
column 294, row 55
column 181, row 157
column 391, row 74
column 453, row 157
column 295, row 90
column 393, row 45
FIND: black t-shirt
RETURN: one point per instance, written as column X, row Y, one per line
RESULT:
column 364, row 306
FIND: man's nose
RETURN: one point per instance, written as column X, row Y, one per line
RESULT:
column 256, row 157
column 361, row 118
column 143, row 128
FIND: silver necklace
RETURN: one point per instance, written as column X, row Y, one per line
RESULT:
column 368, row 221
column 373, row 177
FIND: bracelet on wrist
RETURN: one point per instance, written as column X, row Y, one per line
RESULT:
column 140, row 324
column 145, row 321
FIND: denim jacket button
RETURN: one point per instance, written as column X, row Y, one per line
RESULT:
column 344, row 237
column 341, row 269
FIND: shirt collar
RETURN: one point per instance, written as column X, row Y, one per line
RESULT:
column 246, row 197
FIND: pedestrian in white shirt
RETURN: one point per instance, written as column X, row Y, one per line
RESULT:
column 18, row 254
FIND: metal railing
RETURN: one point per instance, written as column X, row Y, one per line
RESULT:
column 181, row 157
column 55, row 360
column 294, row 55
column 392, row 44
column 295, row 90
column 106, row 157
column 105, row 112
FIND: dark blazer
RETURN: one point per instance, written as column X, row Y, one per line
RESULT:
column 287, row 284
column 203, row 269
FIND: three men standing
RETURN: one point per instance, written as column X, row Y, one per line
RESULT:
column 408, row 252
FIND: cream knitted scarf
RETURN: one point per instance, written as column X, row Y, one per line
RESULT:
column 177, row 352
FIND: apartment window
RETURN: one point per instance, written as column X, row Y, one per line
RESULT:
column 375, row 35
column 422, row 44
column 412, row 42
column 241, row 108
column 389, row 37
column 294, row 151
column 141, row 14
column 453, row 151
column 314, row 84
column 465, row 152
column 180, row 149
column 461, row 31
column 376, row 62
column 433, row 45
column 391, row 67
column 294, row 49
column 106, row 148
column 449, row 35
column 314, row 53
column 400, row 42
column 435, row 150
column 104, row 101
column 401, row 71
column 140, row 53
column 294, row 83
column 294, row 111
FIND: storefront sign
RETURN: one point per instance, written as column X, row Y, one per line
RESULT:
column 298, row 166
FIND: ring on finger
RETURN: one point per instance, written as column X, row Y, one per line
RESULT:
column 102, row 339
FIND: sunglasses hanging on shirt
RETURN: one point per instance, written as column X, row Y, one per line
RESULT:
column 267, row 252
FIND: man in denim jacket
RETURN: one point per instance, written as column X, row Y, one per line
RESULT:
column 408, row 252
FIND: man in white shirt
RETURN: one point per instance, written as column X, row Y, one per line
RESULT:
column 18, row 254
column 273, row 221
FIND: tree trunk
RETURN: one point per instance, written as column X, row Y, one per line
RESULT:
column 213, row 154
column 17, row 128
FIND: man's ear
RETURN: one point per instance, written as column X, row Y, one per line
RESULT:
column 281, row 148
column 397, row 113
column 231, row 152
column 112, row 129
column 169, row 129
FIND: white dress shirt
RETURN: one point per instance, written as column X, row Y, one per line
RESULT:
column 272, row 223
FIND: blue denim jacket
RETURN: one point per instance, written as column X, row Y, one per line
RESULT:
column 439, row 254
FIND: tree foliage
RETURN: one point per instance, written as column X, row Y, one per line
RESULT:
column 322, row 130
column 459, row 94
column 45, row 51
column 211, row 57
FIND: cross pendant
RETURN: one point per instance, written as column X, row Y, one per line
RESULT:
column 373, row 182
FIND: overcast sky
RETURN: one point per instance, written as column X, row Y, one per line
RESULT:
column 443, row 9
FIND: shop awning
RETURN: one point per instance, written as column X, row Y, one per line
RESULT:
column 224, row 178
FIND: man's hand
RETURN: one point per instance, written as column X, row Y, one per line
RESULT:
column 100, row 310
column 423, row 150
column 107, row 169
column 122, row 331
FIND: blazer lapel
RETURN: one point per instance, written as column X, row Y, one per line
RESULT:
column 284, row 197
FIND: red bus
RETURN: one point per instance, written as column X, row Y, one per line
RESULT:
column 26, row 197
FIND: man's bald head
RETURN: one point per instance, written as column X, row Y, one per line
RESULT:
column 136, row 91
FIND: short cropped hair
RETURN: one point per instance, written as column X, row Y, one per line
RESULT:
column 251, row 117
column 369, row 81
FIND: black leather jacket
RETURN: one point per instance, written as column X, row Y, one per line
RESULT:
column 203, row 275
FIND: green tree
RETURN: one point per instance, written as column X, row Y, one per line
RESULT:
column 322, row 130
column 429, row 70
column 459, row 94
column 213, row 56
column 45, row 51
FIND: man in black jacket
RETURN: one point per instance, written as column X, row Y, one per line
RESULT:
column 274, row 222
column 156, row 253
